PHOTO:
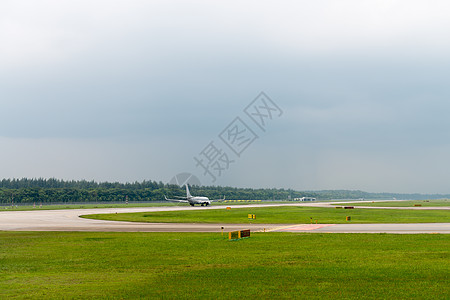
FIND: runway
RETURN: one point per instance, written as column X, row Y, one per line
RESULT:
column 69, row 220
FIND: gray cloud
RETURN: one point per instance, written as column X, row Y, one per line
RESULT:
column 91, row 89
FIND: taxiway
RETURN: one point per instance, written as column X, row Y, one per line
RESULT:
column 69, row 220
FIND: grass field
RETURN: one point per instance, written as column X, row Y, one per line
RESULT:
column 411, row 203
column 81, row 206
column 283, row 215
column 441, row 202
column 69, row 265
column 120, row 205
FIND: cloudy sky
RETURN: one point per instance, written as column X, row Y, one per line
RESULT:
column 134, row 90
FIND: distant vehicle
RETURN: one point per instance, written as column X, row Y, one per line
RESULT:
column 193, row 200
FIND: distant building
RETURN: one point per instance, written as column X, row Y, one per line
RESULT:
column 305, row 199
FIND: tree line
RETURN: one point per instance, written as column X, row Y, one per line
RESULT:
column 42, row 190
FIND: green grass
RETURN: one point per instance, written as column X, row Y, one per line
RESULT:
column 411, row 203
column 82, row 206
column 69, row 265
column 283, row 215
column 123, row 205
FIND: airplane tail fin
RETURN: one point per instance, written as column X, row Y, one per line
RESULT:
column 188, row 194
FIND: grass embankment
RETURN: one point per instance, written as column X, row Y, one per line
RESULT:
column 410, row 203
column 69, row 265
column 283, row 215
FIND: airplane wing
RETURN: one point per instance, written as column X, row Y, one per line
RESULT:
column 176, row 200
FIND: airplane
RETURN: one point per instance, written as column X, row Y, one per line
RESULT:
column 193, row 200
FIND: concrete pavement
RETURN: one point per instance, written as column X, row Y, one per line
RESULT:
column 69, row 220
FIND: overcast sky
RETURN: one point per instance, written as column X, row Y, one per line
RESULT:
column 134, row 90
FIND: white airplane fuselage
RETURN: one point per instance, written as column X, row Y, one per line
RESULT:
column 191, row 199
column 199, row 200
